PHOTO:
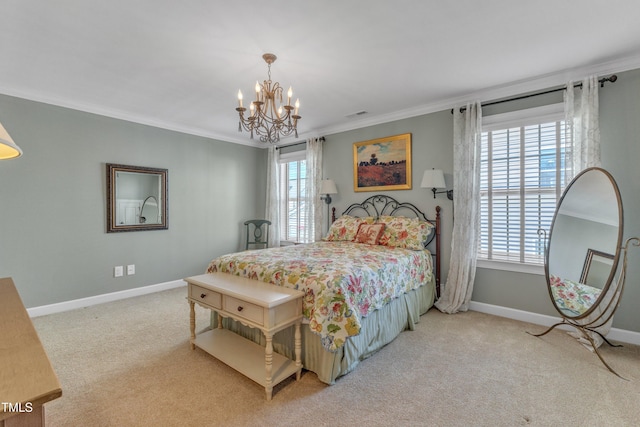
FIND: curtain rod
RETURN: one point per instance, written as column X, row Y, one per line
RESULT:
column 296, row 143
column 602, row 81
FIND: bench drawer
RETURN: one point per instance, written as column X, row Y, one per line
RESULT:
column 246, row 310
column 206, row 296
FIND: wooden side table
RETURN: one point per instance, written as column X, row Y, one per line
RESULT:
column 256, row 304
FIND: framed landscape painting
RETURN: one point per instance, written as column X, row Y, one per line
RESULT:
column 382, row 164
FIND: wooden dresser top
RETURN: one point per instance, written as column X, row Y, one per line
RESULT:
column 26, row 374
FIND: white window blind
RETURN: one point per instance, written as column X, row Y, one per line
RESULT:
column 293, row 174
column 522, row 178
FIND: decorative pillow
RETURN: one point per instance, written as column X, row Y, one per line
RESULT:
column 369, row 234
column 402, row 232
column 344, row 228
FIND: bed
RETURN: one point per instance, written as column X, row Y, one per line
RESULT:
column 370, row 278
column 571, row 297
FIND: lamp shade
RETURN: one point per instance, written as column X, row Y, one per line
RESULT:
column 328, row 187
column 433, row 178
column 8, row 148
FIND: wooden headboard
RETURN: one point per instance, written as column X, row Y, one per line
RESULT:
column 380, row 204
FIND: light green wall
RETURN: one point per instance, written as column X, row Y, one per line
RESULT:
column 620, row 133
column 431, row 137
column 620, row 139
column 53, row 202
column 432, row 147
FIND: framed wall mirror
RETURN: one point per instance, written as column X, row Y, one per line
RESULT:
column 137, row 198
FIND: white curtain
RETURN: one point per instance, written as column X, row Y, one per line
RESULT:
column 583, row 135
column 272, row 211
column 312, row 212
column 583, row 126
column 467, row 129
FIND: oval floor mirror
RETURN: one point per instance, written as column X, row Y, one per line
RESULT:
column 582, row 254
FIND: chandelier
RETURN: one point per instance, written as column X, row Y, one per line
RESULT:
column 268, row 117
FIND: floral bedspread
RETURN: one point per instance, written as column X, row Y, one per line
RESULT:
column 572, row 297
column 342, row 281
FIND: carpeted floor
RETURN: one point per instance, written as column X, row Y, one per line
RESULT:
column 128, row 363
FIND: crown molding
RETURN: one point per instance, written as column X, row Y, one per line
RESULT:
column 122, row 115
column 493, row 93
column 497, row 92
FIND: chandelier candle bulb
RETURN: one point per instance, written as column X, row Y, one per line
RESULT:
column 289, row 95
column 295, row 112
column 240, row 99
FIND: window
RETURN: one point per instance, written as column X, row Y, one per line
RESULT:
column 293, row 174
column 522, row 176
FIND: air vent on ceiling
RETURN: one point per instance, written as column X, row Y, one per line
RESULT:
column 359, row 113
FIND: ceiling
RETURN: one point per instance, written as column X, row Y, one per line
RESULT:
column 179, row 65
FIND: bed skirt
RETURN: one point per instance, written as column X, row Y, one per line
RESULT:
column 378, row 329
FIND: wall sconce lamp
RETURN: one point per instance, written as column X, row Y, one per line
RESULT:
column 434, row 179
column 8, row 148
column 327, row 187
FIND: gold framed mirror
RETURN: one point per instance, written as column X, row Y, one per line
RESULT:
column 137, row 198
column 588, row 220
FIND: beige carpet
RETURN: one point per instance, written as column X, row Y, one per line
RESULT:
column 128, row 363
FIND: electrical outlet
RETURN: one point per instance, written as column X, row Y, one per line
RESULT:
column 131, row 269
column 118, row 271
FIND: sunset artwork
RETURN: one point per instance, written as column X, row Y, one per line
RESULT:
column 382, row 164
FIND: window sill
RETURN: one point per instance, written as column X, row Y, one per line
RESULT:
column 511, row 266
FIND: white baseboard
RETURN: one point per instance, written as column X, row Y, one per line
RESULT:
column 614, row 334
column 101, row 299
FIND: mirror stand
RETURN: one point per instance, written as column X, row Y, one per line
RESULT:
column 588, row 327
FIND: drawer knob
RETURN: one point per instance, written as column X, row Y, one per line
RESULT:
column 203, row 295
column 240, row 308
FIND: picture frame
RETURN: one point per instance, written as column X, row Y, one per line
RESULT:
column 382, row 164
